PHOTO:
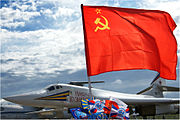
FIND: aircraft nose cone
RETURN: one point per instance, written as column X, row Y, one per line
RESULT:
column 14, row 99
column 20, row 99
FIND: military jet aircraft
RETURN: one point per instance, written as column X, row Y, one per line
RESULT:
column 58, row 98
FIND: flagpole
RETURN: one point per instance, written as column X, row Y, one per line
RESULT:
column 89, row 86
column 86, row 53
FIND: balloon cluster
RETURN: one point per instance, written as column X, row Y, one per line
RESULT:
column 97, row 109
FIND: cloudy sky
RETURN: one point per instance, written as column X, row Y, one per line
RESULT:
column 42, row 43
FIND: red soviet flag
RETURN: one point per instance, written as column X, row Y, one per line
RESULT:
column 124, row 39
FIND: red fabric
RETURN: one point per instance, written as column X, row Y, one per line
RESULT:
column 132, row 39
column 108, row 104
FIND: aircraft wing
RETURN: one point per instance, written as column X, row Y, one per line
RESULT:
column 144, row 101
column 139, row 100
column 79, row 83
column 164, row 88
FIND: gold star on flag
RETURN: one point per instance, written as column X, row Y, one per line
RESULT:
column 98, row 11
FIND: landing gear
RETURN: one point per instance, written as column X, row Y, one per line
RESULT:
column 163, row 117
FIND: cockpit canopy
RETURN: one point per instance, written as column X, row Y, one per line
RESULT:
column 53, row 87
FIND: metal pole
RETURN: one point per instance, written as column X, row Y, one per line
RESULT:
column 89, row 85
column 86, row 52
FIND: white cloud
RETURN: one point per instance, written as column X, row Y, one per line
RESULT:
column 43, row 51
column 13, row 18
column 47, row 12
column 117, row 82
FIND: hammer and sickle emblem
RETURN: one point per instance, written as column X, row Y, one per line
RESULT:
column 105, row 26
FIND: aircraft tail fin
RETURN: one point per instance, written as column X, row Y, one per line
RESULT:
column 157, row 87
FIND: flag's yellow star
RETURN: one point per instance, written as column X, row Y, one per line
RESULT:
column 98, row 11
